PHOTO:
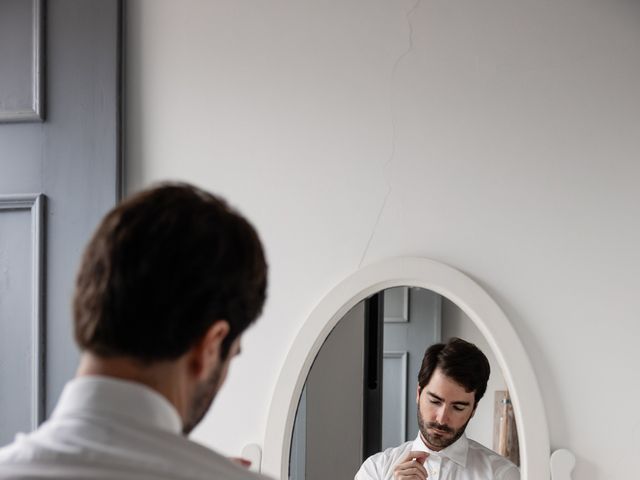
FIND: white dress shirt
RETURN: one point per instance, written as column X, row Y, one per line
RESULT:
column 103, row 428
column 462, row 460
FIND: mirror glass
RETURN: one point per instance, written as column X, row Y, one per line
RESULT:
column 360, row 395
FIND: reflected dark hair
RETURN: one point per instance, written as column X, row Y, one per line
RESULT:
column 459, row 360
column 162, row 267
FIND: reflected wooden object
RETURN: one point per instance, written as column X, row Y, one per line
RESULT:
column 505, row 433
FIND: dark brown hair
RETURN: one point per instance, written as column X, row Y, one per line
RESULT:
column 459, row 360
column 161, row 268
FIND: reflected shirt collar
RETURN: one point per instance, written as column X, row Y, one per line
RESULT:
column 456, row 452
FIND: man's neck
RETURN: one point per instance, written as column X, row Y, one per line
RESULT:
column 163, row 377
column 428, row 445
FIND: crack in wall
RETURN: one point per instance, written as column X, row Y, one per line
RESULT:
column 394, row 70
column 394, row 129
column 375, row 226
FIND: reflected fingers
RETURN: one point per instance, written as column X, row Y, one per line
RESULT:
column 411, row 467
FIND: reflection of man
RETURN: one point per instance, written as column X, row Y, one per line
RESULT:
column 452, row 380
column 167, row 285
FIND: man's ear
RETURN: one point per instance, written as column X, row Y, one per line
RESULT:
column 206, row 353
column 418, row 395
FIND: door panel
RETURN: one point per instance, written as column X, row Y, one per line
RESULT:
column 73, row 160
column 21, row 36
column 21, row 371
column 394, row 399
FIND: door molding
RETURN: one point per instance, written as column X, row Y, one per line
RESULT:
column 403, row 357
column 35, row 204
column 36, row 112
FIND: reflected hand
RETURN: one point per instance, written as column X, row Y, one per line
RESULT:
column 411, row 467
column 243, row 462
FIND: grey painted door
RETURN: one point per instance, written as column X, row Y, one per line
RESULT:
column 59, row 172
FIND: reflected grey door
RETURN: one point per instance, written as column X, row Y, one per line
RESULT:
column 412, row 323
column 59, row 173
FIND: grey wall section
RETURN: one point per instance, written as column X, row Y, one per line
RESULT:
column 334, row 402
column 73, row 158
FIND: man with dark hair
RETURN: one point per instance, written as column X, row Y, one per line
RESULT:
column 452, row 380
column 169, row 282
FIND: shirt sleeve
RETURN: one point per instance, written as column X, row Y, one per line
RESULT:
column 510, row 473
column 368, row 471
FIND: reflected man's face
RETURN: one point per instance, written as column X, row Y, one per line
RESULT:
column 444, row 410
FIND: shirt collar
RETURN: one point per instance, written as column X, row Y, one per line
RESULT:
column 115, row 398
column 456, row 452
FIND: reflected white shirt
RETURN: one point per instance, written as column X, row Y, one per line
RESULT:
column 465, row 459
column 103, row 428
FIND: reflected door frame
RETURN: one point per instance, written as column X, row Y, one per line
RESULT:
column 448, row 282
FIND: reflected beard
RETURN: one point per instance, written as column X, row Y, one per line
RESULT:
column 437, row 441
column 202, row 399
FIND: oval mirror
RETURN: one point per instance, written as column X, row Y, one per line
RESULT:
column 360, row 395
column 460, row 295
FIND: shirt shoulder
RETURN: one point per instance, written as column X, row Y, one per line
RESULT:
column 379, row 466
column 36, row 456
column 20, row 450
column 105, row 429
column 501, row 467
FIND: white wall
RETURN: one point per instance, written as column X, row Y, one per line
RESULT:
column 499, row 137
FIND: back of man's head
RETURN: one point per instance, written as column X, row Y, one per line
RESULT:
column 162, row 267
column 459, row 360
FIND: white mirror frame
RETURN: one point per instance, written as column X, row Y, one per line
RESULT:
column 529, row 410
